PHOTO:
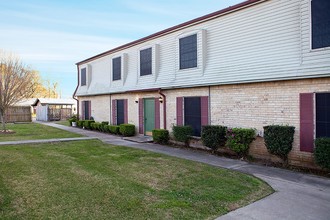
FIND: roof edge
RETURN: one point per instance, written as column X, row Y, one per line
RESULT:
column 195, row 21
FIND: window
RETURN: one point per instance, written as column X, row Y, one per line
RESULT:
column 116, row 68
column 320, row 23
column 86, row 110
column 188, row 52
column 83, row 77
column 120, row 112
column 323, row 115
column 193, row 111
column 192, row 114
column 146, row 62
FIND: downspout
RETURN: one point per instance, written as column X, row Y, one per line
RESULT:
column 74, row 94
column 110, row 112
column 164, row 106
column 209, row 107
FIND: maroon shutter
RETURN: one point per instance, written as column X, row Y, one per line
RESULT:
column 307, row 122
column 141, row 117
column 157, row 113
column 114, row 112
column 179, row 111
column 89, row 109
column 125, row 111
column 204, row 110
column 83, row 103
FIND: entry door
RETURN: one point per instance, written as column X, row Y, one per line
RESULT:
column 192, row 114
column 149, row 116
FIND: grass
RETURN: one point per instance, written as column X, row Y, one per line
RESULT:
column 33, row 131
column 92, row 180
column 65, row 123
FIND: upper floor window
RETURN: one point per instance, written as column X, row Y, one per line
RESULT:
column 116, row 68
column 83, row 77
column 188, row 52
column 146, row 62
column 320, row 23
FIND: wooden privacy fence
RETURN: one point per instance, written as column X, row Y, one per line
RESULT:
column 19, row 114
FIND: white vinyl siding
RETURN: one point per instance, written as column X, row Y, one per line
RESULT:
column 265, row 42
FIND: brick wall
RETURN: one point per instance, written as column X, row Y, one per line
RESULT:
column 100, row 107
column 259, row 104
column 251, row 105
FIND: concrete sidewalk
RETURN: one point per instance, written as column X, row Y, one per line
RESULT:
column 45, row 140
column 297, row 196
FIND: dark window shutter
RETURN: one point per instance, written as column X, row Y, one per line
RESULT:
column 157, row 113
column 179, row 111
column 204, row 110
column 307, row 122
column 141, row 117
column 114, row 112
column 125, row 111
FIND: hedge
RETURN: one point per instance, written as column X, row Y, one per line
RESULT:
column 113, row 129
column 322, row 152
column 279, row 139
column 87, row 123
column 160, row 136
column 80, row 123
column 127, row 130
column 182, row 133
column 239, row 140
column 214, row 136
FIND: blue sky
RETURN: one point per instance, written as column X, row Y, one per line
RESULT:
column 51, row 36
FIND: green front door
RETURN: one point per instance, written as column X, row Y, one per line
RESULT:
column 149, row 116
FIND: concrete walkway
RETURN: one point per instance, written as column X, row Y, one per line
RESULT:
column 297, row 196
column 45, row 141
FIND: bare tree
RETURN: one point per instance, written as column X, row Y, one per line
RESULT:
column 17, row 82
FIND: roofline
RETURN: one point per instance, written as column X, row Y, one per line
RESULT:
column 195, row 21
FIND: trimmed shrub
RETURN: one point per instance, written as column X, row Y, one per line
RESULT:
column 182, row 133
column 87, row 123
column 93, row 125
column 127, row 130
column 98, row 126
column 113, row 129
column 214, row 136
column 103, row 126
column 239, row 140
column 80, row 123
column 160, row 136
column 322, row 152
column 279, row 139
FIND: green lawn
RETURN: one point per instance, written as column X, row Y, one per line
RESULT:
column 66, row 123
column 92, row 180
column 33, row 131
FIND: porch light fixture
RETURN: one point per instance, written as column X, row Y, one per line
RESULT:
column 160, row 99
column 136, row 100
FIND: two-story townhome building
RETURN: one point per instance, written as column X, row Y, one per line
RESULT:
column 257, row 63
